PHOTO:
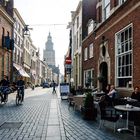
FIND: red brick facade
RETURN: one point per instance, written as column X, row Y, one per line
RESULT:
column 6, row 27
column 126, row 14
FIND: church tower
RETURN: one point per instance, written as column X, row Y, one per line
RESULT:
column 48, row 52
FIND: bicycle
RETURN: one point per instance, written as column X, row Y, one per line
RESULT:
column 19, row 95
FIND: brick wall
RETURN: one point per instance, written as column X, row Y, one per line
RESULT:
column 126, row 14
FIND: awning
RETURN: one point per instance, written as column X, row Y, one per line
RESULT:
column 21, row 71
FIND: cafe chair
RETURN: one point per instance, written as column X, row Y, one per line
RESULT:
column 70, row 100
column 108, row 114
column 136, row 122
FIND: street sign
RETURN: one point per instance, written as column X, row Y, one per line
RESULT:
column 68, row 66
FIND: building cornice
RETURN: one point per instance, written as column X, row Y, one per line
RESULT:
column 75, row 13
column 6, row 15
column 19, row 16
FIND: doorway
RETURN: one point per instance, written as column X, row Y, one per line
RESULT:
column 104, row 75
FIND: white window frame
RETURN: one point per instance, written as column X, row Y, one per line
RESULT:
column 120, row 2
column 85, row 54
column 124, row 63
column 91, row 50
column 105, row 9
column 86, row 76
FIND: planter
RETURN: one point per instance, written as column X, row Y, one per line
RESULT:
column 88, row 113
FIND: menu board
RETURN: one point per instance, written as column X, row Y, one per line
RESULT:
column 64, row 89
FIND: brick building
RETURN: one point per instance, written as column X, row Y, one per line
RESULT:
column 115, row 45
column 6, row 41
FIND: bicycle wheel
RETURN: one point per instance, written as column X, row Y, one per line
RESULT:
column 20, row 99
column 0, row 99
column 17, row 99
column 6, row 100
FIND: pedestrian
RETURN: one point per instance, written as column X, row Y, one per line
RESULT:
column 21, row 85
column 4, row 83
column 53, row 84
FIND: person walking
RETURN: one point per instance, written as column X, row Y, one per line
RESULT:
column 53, row 84
column 4, row 83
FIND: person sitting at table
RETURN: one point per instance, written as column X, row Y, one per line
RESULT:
column 112, row 93
column 136, row 94
column 109, row 97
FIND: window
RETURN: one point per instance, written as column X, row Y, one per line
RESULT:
column 121, row 1
column 89, row 77
column 80, row 37
column 77, row 40
column 91, row 50
column 91, row 25
column 77, row 22
column 124, row 57
column 106, row 9
column 85, row 54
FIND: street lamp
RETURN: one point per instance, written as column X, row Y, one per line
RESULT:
column 26, row 30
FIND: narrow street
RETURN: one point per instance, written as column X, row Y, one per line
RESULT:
column 44, row 116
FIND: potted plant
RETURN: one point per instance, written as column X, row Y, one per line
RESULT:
column 88, row 110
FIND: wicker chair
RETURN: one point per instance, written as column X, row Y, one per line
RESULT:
column 107, row 114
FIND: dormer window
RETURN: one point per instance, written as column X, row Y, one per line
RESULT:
column 106, row 9
column 91, row 25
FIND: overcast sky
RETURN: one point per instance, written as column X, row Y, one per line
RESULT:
column 44, row 16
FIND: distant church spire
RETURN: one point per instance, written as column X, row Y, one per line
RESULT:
column 49, row 37
column 49, row 53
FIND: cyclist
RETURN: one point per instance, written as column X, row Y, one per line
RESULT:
column 4, row 83
column 20, row 85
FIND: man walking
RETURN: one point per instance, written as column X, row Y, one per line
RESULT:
column 54, row 91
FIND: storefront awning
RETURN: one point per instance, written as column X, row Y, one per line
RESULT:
column 21, row 71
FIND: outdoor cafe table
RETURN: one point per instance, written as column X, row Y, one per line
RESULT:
column 127, row 108
column 79, row 101
column 129, row 100
column 97, row 94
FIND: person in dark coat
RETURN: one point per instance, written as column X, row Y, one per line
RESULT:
column 4, row 83
column 21, row 85
column 54, row 91
column 136, row 94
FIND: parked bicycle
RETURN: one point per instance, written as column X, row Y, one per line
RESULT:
column 19, row 96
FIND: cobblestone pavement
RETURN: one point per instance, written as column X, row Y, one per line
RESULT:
column 37, row 119
column 44, row 116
